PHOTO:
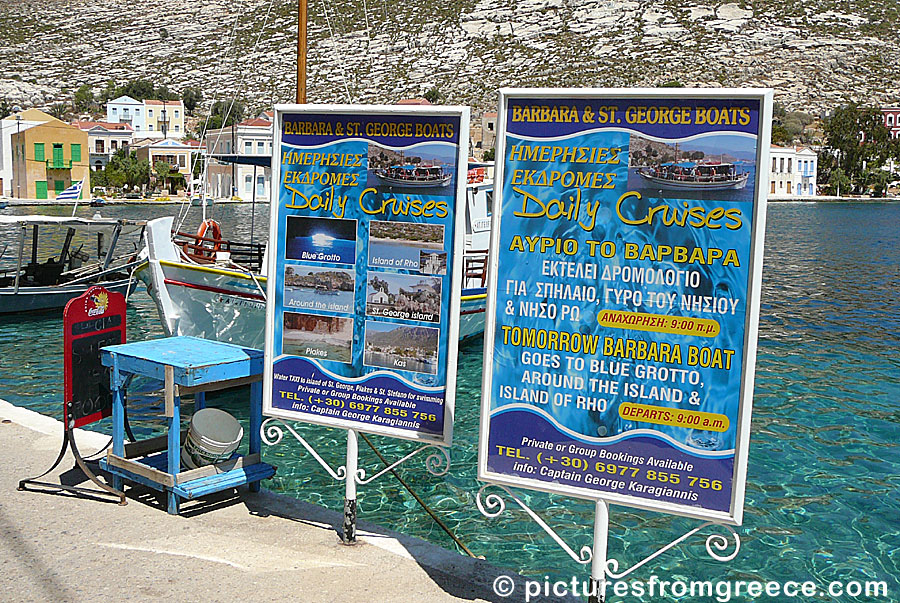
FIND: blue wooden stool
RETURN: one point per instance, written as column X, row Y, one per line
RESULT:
column 186, row 365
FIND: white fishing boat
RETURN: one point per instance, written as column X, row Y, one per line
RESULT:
column 54, row 270
column 687, row 175
column 209, row 287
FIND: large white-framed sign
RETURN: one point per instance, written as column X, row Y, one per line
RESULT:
column 623, row 300
column 365, row 261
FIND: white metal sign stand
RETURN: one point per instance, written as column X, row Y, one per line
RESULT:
column 590, row 173
column 437, row 463
column 602, row 567
column 355, row 364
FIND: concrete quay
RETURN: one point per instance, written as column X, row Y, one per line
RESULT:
column 237, row 546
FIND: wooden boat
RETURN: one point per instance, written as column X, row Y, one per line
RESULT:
column 46, row 278
column 687, row 175
column 216, row 289
column 414, row 175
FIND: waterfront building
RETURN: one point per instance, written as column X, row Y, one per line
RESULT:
column 176, row 154
column 892, row 120
column 250, row 140
column 165, row 118
column 792, row 171
column 126, row 110
column 10, row 125
column 149, row 118
column 48, row 158
column 104, row 139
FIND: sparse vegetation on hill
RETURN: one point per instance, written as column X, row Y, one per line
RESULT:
column 815, row 56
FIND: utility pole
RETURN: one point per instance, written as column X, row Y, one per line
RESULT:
column 165, row 123
column 18, row 180
column 301, row 52
column 233, row 150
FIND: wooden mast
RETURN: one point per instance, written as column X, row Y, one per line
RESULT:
column 301, row 52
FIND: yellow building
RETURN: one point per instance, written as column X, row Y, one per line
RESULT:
column 48, row 158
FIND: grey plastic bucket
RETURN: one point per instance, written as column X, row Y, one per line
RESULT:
column 213, row 436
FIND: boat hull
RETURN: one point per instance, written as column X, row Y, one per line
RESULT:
column 210, row 303
column 416, row 183
column 696, row 186
column 45, row 299
column 226, row 306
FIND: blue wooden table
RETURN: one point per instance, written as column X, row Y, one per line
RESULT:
column 187, row 365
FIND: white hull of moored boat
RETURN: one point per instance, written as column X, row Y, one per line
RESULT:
column 223, row 304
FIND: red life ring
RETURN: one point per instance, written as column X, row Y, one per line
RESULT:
column 209, row 229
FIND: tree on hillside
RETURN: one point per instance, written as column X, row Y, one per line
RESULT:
column 855, row 141
column 139, row 89
column 433, row 95
column 6, row 108
column 84, row 99
column 191, row 97
column 789, row 127
column 163, row 93
column 108, row 93
column 59, row 111
column 224, row 113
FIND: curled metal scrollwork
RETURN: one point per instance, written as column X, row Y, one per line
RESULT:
column 438, row 462
column 433, row 463
column 494, row 501
column 721, row 542
column 272, row 433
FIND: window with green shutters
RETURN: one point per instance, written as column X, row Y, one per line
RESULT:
column 59, row 186
column 57, row 155
column 76, row 153
column 39, row 151
column 40, row 189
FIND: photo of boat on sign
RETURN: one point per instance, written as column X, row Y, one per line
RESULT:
column 426, row 166
column 721, row 167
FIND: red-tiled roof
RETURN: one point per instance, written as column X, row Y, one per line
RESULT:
column 256, row 122
column 413, row 101
column 489, row 114
column 87, row 125
column 159, row 102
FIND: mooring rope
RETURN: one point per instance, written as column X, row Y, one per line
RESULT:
column 421, row 502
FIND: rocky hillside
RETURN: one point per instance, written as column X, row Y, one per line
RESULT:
column 815, row 53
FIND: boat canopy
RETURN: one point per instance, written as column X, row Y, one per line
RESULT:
column 686, row 164
column 64, row 221
column 258, row 160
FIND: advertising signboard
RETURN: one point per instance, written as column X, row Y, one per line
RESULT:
column 626, row 262
column 91, row 321
column 366, row 243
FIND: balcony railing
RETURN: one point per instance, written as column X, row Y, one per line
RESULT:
column 57, row 164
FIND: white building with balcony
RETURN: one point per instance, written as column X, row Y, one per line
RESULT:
column 249, row 143
column 149, row 118
column 104, row 139
column 165, row 119
column 126, row 110
column 792, row 172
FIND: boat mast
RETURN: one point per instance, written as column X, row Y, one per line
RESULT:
column 301, row 52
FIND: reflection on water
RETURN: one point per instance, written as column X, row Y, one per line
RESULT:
column 823, row 496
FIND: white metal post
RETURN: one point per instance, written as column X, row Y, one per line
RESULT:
column 349, row 533
column 598, row 561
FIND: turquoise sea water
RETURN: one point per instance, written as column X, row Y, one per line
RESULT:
column 823, row 487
